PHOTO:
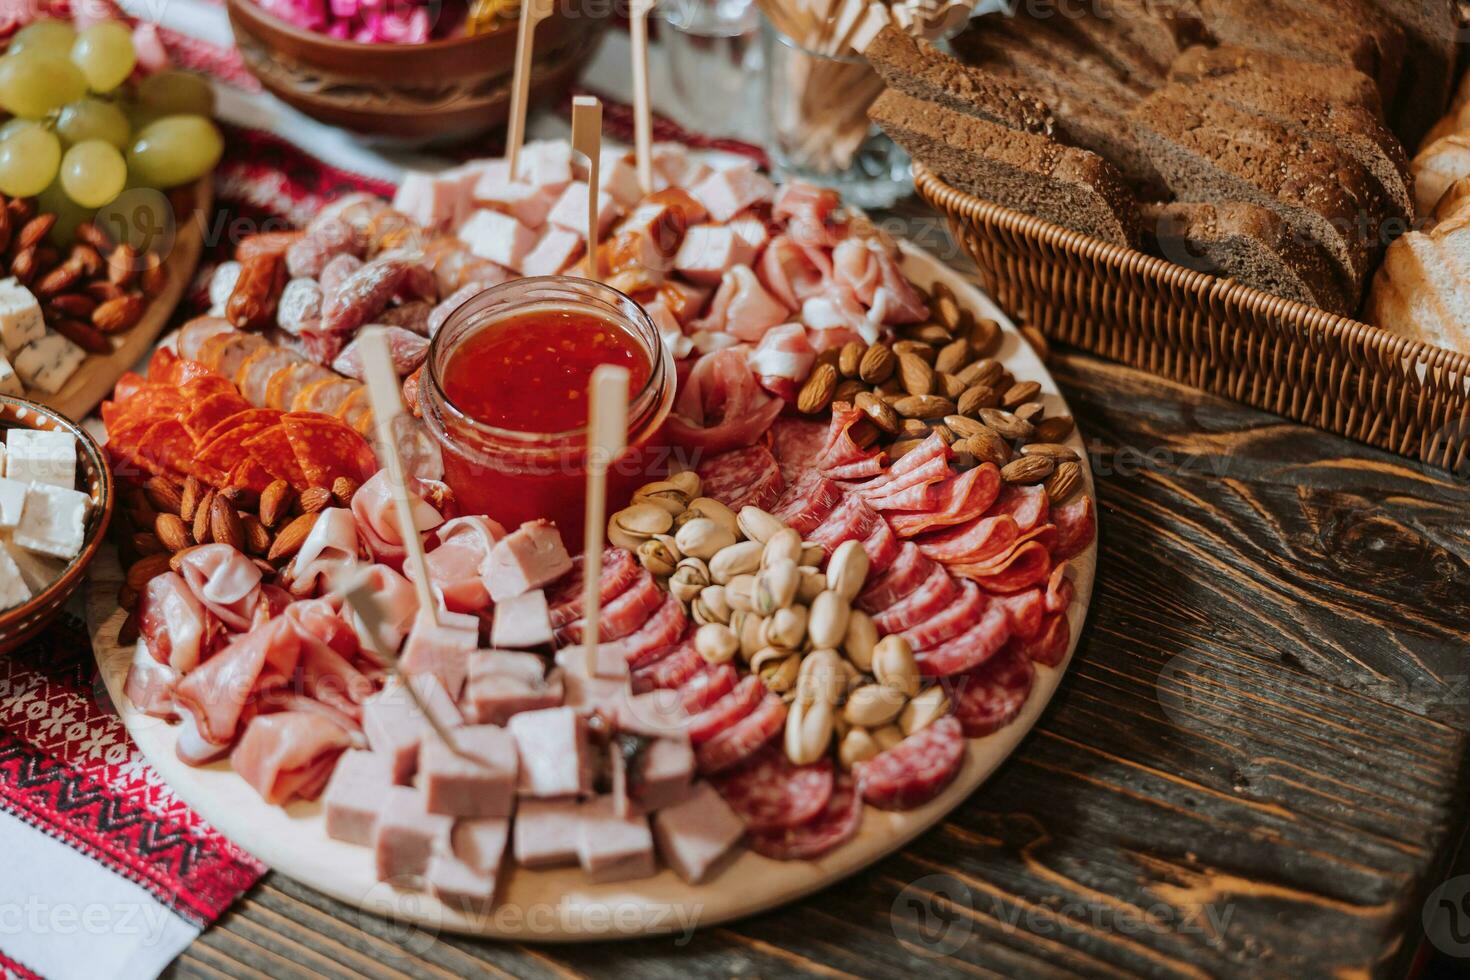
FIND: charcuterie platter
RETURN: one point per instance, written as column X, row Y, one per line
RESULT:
column 843, row 573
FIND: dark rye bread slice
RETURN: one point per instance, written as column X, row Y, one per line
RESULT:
column 1271, row 27
column 1068, row 59
column 1431, row 31
column 1210, row 152
column 1248, row 243
column 1140, row 38
column 1387, row 36
column 1336, row 83
column 1353, row 128
column 917, row 68
column 1018, row 170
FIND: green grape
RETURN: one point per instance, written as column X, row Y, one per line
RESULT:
column 93, row 119
column 48, row 36
column 34, row 83
column 93, row 173
column 104, row 53
column 16, row 125
column 171, row 92
column 69, row 214
column 28, row 161
column 174, row 150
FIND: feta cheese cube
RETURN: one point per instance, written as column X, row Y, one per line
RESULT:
column 20, row 316
column 48, row 362
column 13, row 589
column 53, row 521
column 12, row 501
column 36, row 571
column 9, row 380
column 35, row 456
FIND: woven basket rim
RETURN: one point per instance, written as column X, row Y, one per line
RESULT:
column 1229, row 292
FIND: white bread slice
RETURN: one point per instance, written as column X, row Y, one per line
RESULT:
column 1455, row 201
column 1457, row 120
column 1438, row 166
column 1415, row 294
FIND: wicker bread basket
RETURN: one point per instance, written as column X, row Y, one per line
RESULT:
column 1216, row 334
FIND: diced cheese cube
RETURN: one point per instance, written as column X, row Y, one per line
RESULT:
column 12, row 501
column 48, row 362
column 53, row 522
column 37, row 456
column 36, row 571
column 13, row 589
column 20, row 316
column 9, row 380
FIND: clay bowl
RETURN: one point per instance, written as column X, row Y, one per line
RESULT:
column 438, row 92
column 23, row 622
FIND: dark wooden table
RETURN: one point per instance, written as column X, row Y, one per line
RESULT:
column 1254, row 766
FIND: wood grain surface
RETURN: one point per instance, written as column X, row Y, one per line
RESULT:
column 1255, row 766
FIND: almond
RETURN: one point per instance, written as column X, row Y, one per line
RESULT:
column 926, row 351
column 315, row 500
column 344, row 488
column 924, row 407
column 985, row 337
column 122, row 313
column 913, row 428
column 987, row 446
column 275, row 502
column 127, row 596
column 903, row 447
column 5, row 229
column 1064, row 482
column 23, row 266
column 21, row 209
column 930, row 333
column 817, row 393
column 189, row 497
column 877, row 364
column 146, row 543
column 946, row 308
column 949, row 386
column 155, row 276
column 1054, row 429
column 201, row 517
column 953, row 356
column 915, row 374
column 87, row 257
column 59, row 280
column 163, row 494
column 35, row 230
column 77, row 305
column 1051, row 450
column 850, row 358
column 257, row 538
column 986, row 371
column 84, row 335
column 879, row 412
column 1027, row 469
column 848, row 390
column 1019, row 394
column 101, row 290
column 92, row 235
column 145, row 569
column 122, row 264
column 173, row 532
column 1006, row 424
column 224, row 523
column 291, row 538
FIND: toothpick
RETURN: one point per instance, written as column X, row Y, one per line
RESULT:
column 533, row 12
column 642, row 114
column 587, row 140
column 384, row 394
column 607, row 434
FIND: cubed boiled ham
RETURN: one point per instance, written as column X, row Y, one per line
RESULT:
column 662, row 773
column 395, row 727
column 613, row 847
column 570, row 209
column 545, row 833
column 607, row 662
column 556, row 250
column 498, row 237
column 725, row 193
column 529, row 557
column 549, row 163
column 480, row 843
column 475, row 778
column 674, row 167
column 618, row 175
column 460, row 886
column 432, row 201
column 553, row 751
column 522, row 622
column 407, row 836
column 709, row 251
column 502, row 684
column 696, row 833
column 355, row 795
column 441, row 646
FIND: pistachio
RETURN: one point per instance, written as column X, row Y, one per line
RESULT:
column 858, row 745
column 847, row 570
column 813, row 583
column 665, row 494
column 717, row 512
column 827, row 619
column 779, row 670
column 687, row 481
column 775, row 587
column 717, row 644
column 659, row 555
column 873, row 705
column 860, row 640
column 740, row 592
column 887, row 737
column 703, row 538
column 808, row 732
column 690, row 578
column 633, row 525
column 752, row 635
column 787, row 627
column 822, row 677
column 812, row 554
column 924, row 710
column 894, row 666
column 784, row 545
column 711, row 606
column 757, row 525
column 743, row 558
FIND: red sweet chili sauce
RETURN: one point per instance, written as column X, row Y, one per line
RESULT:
column 505, row 394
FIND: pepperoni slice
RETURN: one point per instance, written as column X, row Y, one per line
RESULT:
column 620, row 617
column 770, row 792
column 706, row 687
column 961, row 498
column 619, row 571
column 915, row 770
column 851, row 520
column 326, row 448
column 907, row 572
column 837, row 824
column 970, row 649
column 167, row 448
column 271, row 446
column 807, row 502
column 211, row 411
column 954, row 619
column 740, row 741
column 670, row 671
column 881, row 544
column 987, row 698
column 727, row 710
column 928, row 600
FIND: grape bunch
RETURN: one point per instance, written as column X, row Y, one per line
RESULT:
column 80, row 134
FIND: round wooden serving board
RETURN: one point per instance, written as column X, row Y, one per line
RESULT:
column 98, row 374
column 561, row 905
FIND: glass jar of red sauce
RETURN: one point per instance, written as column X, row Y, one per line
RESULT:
column 505, row 394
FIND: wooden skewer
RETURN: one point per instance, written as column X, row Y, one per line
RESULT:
column 607, row 434
column 587, row 140
column 383, row 393
column 642, row 113
column 533, row 12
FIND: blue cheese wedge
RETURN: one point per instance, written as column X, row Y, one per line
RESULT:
column 20, row 316
column 54, row 521
column 13, row 589
column 12, row 502
column 48, row 363
column 9, row 380
column 36, row 456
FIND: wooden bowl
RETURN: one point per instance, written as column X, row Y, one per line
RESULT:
column 439, row 91
column 25, row 621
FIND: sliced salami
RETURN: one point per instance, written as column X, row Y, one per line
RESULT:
column 807, row 502
column 920, row 459
column 881, row 544
column 741, row 740
column 1026, row 505
column 850, row 520
column 915, row 484
column 901, row 578
column 620, row 617
column 860, row 470
column 656, row 638
column 763, row 492
column 837, row 824
column 928, row 600
column 915, row 770
column 954, row 619
column 1076, row 523
column 1059, row 590
column 619, row 571
column 671, row 671
column 987, row 698
column 1028, row 565
column 796, row 443
column 841, row 450
column 1024, row 611
column 706, row 687
column 725, row 477
column 974, row 541
column 961, row 498
column 771, row 793
column 729, row 709
column 970, row 649
column 1050, row 643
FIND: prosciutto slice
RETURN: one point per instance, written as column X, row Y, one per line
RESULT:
column 868, row 266
column 454, row 566
column 377, row 519
column 807, row 211
column 289, row 754
column 742, row 307
column 216, row 693
column 172, row 623
column 782, row 360
column 224, row 581
column 791, row 273
column 720, row 406
column 330, row 549
column 150, row 684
